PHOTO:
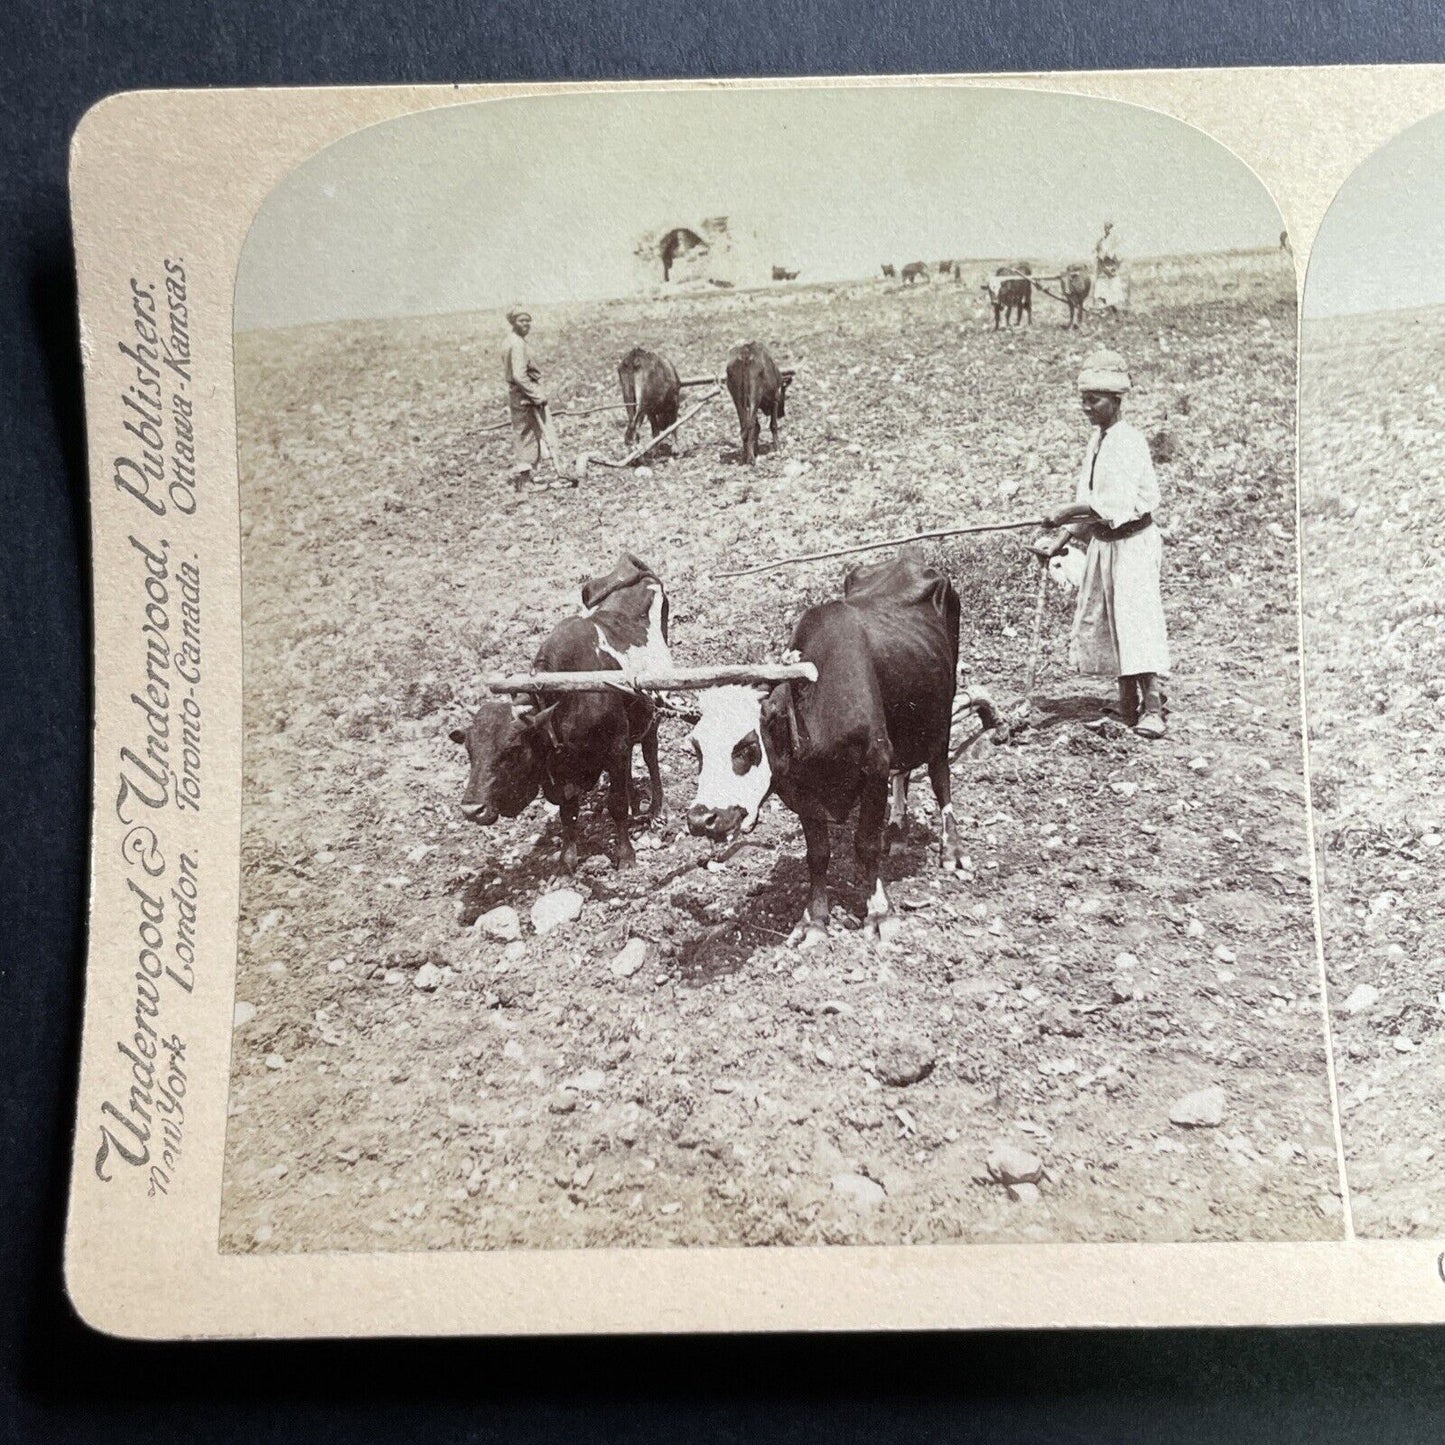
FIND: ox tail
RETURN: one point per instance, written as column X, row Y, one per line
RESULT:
column 627, row 375
column 977, row 701
column 991, row 723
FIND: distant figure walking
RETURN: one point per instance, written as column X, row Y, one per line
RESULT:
column 1119, row 626
column 533, row 432
column 1111, row 290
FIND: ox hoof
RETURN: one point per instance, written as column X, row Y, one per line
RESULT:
column 882, row 929
column 626, row 859
column 807, row 934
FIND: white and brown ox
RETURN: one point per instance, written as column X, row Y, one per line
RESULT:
column 561, row 743
column 886, row 655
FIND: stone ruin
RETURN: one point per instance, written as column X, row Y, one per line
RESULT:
column 711, row 252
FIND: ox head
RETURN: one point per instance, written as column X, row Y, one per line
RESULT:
column 731, row 741
column 507, row 746
column 1066, row 568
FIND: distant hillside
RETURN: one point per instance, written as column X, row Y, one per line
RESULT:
column 1264, row 274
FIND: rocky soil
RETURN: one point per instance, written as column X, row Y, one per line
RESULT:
column 1108, row 1029
column 1372, row 460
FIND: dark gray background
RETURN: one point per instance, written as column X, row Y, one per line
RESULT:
column 60, row 1381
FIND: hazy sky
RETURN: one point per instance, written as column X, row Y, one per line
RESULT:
column 1382, row 243
column 469, row 207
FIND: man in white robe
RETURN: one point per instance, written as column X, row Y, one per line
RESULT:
column 1119, row 626
column 1111, row 289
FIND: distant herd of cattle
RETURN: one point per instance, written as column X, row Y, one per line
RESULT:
column 1010, row 288
column 918, row 271
column 883, row 704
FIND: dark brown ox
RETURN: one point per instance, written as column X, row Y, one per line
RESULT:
column 756, row 387
column 887, row 657
column 650, row 389
column 561, row 743
column 888, row 271
column 781, row 273
column 1075, row 284
column 1011, row 294
column 915, row 271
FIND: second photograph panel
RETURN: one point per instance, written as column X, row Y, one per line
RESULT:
column 1372, row 476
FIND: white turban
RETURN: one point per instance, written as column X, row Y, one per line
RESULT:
column 518, row 311
column 1105, row 371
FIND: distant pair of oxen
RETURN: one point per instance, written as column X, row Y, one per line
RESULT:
column 1011, row 293
column 652, row 389
column 886, row 655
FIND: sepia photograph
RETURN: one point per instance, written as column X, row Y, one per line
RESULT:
column 1372, row 463
column 772, row 694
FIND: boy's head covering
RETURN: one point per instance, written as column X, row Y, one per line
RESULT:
column 516, row 312
column 1105, row 371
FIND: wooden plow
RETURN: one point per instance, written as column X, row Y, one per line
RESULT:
column 1006, row 725
column 637, row 453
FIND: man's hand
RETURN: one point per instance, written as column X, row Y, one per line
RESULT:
column 1064, row 516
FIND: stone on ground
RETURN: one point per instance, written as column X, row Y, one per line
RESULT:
column 858, row 1190
column 501, row 923
column 1010, row 1165
column 553, row 910
column 1362, row 997
column 632, row 957
column 904, row 1062
column 1203, row 1109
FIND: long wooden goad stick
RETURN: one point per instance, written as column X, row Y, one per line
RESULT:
column 889, row 542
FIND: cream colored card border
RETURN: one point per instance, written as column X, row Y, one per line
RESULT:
column 181, row 175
